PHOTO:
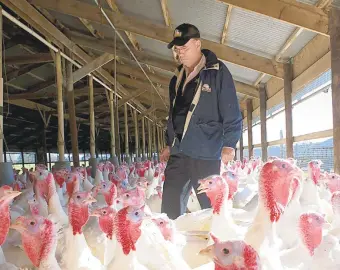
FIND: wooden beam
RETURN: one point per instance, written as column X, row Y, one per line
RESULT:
column 165, row 10
column 72, row 114
column 247, row 89
column 249, row 126
column 1, row 92
column 130, row 36
column 289, row 11
column 106, row 46
column 29, row 59
column 226, row 24
column 143, row 136
column 314, row 135
column 92, row 66
column 126, row 140
column 92, row 120
column 259, row 79
column 288, row 109
column 122, row 101
column 147, row 112
column 288, row 43
column 334, row 19
column 44, row 26
column 322, row 4
column 135, row 119
column 161, row 33
column 263, row 119
column 91, row 28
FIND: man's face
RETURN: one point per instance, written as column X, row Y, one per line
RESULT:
column 189, row 53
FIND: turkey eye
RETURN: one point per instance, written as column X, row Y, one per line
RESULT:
column 104, row 212
column 225, row 251
column 136, row 213
column 283, row 165
column 40, row 173
column 78, row 197
column 104, row 186
column 32, row 223
column 210, row 182
column 127, row 195
column 333, row 176
column 161, row 223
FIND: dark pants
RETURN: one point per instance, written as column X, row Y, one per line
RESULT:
column 181, row 174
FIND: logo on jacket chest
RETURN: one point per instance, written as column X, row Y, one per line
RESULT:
column 206, row 88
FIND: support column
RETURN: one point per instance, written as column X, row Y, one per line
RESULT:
column 249, row 124
column 72, row 114
column 93, row 160
column 158, row 141
column 288, row 78
column 22, row 158
column 112, row 126
column 118, row 147
column 263, row 119
column 241, row 146
column 334, row 26
column 143, row 138
column 154, row 145
column 136, row 134
column 126, row 141
column 61, row 163
column 149, row 139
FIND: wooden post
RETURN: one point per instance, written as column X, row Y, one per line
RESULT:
column 149, row 139
column 1, row 94
column 158, row 139
column 49, row 160
column 118, row 148
column 241, row 146
column 22, row 156
column 126, row 130
column 154, row 145
column 249, row 124
column 60, row 104
column 92, row 120
column 143, row 135
column 288, row 78
column 136, row 132
column 263, row 118
column 72, row 114
column 112, row 118
column 334, row 25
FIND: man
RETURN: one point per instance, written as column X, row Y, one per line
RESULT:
column 204, row 123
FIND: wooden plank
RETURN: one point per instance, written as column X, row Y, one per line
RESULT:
column 43, row 25
column 323, row 3
column 149, row 140
column 122, row 101
column 92, row 120
column 289, row 42
column 92, row 66
column 135, row 120
column 314, row 135
column 29, row 59
column 143, row 136
column 1, row 93
column 247, row 89
column 263, row 119
column 249, row 126
column 277, row 142
column 91, row 28
column 130, row 36
column 241, row 147
column 289, row 11
column 126, row 141
column 147, row 112
column 112, row 125
column 161, row 33
column 72, row 114
column 165, row 10
column 288, row 109
column 334, row 18
column 226, row 24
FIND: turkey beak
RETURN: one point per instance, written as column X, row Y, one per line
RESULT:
column 90, row 199
column 18, row 226
column 201, row 188
column 95, row 213
column 12, row 194
column 208, row 251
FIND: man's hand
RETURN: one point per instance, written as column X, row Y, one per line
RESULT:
column 165, row 154
column 228, row 154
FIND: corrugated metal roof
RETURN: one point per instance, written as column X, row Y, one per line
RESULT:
column 242, row 74
column 14, row 51
column 143, row 9
column 266, row 78
column 257, row 34
column 299, row 43
column 44, row 71
column 154, row 47
column 207, row 15
column 25, row 81
column 70, row 22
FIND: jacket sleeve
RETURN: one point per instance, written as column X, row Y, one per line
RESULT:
column 229, row 109
column 171, row 98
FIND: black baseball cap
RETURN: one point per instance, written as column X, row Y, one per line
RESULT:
column 183, row 33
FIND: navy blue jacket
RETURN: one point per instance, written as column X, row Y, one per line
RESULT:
column 214, row 119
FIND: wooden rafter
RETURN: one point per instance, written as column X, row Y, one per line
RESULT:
column 288, row 43
column 29, row 59
column 161, row 33
column 112, row 4
column 226, row 24
column 44, row 26
column 290, row 11
column 92, row 66
column 165, row 10
column 91, row 28
column 259, row 79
